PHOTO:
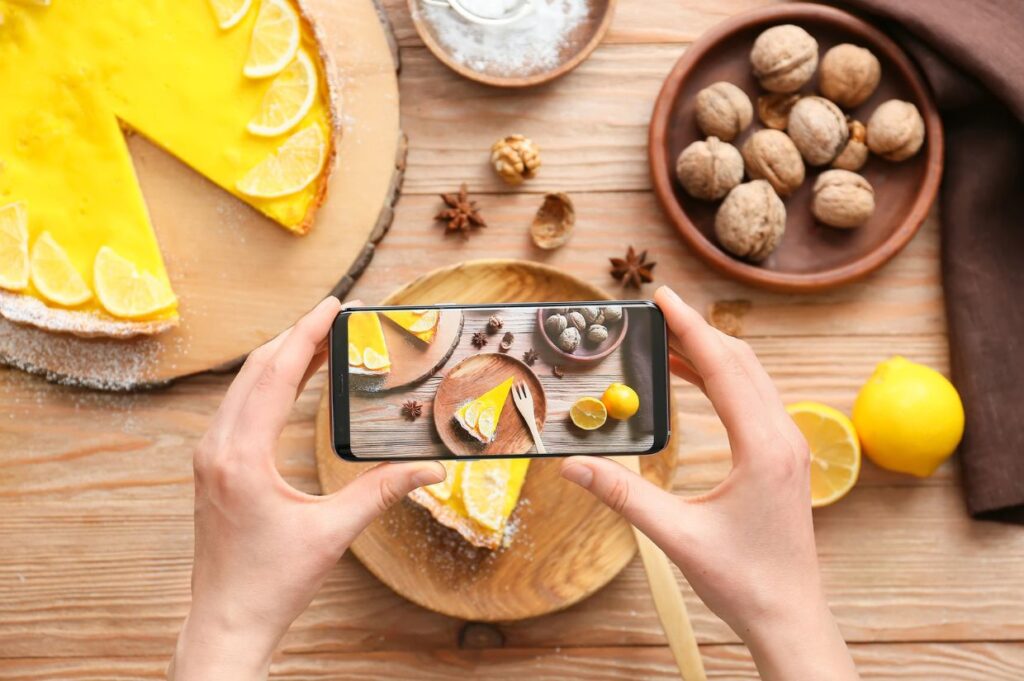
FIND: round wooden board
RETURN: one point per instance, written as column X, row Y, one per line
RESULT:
column 411, row 360
column 567, row 545
column 239, row 277
column 471, row 378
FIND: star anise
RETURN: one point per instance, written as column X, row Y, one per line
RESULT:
column 530, row 356
column 495, row 323
column 479, row 339
column 633, row 270
column 461, row 215
column 412, row 410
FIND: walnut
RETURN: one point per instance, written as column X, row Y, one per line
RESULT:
column 591, row 313
column 773, row 109
column 849, row 75
column 515, row 158
column 771, row 155
column 612, row 313
column 723, row 110
column 784, row 58
column 818, row 129
column 555, row 324
column 597, row 334
column 577, row 321
column 709, row 169
column 751, row 221
column 855, row 154
column 842, row 199
column 569, row 339
column 895, row 130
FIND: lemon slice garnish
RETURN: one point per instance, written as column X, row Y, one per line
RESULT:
column 484, row 484
column 229, row 12
column 443, row 490
column 588, row 413
column 835, row 450
column 294, row 165
column 472, row 413
column 124, row 291
column 485, row 423
column 14, row 265
column 355, row 358
column 426, row 321
column 373, row 360
column 54, row 275
column 275, row 39
column 288, row 99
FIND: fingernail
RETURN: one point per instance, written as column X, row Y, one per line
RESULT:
column 580, row 474
column 666, row 291
column 428, row 476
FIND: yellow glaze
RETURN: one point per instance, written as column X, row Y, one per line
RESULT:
column 76, row 72
column 492, row 399
column 365, row 333
column 406, row 319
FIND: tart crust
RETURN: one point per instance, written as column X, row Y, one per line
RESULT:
column 467, row 527
column 25, row 309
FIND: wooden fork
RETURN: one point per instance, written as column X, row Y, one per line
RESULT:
column 523, row 399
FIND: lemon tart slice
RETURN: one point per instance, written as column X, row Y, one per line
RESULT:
column 480, row 417
column 367, row 351
column 476, row 499
column 75, row 76
column 420, row 324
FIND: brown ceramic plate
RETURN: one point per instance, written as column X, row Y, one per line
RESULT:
column 811, row 257
column 580, row 43
column 585, row 352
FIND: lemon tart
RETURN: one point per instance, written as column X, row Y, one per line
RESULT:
column 480, row 417
column 238, row 90
column 420, row 324
column 476, row 499
column 367, row 351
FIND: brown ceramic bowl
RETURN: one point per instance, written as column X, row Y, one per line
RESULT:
column 811, row 256
column 585, row 352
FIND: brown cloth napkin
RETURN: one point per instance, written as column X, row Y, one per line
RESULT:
column 972, row 53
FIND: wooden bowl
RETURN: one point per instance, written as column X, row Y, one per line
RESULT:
column 579, row 44
column 811, row 256
column 585, row 353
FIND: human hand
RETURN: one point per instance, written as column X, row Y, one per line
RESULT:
column 263, row 548
column 747, row 546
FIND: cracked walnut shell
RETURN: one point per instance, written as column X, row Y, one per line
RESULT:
column 842, row 199
column 855, row 154
column 784, row 58
column 515, row 158
column 895, row 130
column 770, row 155
column 709, row 168
column 818, row 129
column 553, row 224
column 849, row 75
column 773, row 109
column 723, row 110
column 751, row 221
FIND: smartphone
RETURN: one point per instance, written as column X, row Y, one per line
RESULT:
column 454, row 381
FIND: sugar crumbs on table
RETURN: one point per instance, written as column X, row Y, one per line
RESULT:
column 531, row 44
column 479, row 339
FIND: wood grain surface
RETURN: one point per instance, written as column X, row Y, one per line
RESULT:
column 96, row 489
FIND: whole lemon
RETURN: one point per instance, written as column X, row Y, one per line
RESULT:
column 620, row 400
column 909, row 417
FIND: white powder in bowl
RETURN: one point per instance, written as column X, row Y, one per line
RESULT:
column 492, row 9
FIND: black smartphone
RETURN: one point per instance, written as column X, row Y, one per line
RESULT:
column 455, row 381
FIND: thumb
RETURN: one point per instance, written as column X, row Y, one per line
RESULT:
column 649, row 508
column 360, row 502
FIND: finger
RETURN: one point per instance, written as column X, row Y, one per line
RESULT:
column 734, row 397
column 360, row 502
column 314, row 366
column 251, row 369
column 682, row 368
column 652, row 510
column 266, row 408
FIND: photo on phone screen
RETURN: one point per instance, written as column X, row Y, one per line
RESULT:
column 441, row 381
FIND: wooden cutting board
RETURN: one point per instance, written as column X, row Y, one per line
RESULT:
column 239, row 277
column 565, row 546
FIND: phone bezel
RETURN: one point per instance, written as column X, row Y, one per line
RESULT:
column 338, row 381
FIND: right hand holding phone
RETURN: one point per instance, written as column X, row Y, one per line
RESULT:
column 747, row 546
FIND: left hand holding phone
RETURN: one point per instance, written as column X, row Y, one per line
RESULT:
column 263, row 548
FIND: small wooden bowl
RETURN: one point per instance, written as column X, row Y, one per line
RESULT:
column 578, row 46
column 585, row 353
column 811, row 256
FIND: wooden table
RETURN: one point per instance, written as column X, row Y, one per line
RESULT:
column 96, row 489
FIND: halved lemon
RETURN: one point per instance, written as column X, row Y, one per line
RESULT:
column 484, row 483
column 54, row 275
column 472, row 413
column 588, row 413
column 295, row 164
column 443, row 490
column 288, row 99
column 124, row 291
column 229, row 12
column 426, row 321
column 373, row 360
column 486, row 422
column 14, row 265
column 835, row 450
column 275, row 39
column 355, row 358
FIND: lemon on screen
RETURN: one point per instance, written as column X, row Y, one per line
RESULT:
column 621, row 401
column 588, row 413
column 835, row 450
column 909, row 417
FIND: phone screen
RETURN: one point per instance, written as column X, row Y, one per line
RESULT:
column 441, row 382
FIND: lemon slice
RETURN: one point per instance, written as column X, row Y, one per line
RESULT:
column 835, row 450
column 426, row 321
column 588, row 413
column 54, row 275
column 124, row 291
column 486, row 422
column 229, row 12
column 275, row 39
column 294, row 165
column 288, row 99
column 373, row 360
column 484, row 484
column 472, row 413
column 14, row 265
column 354, row 357
column 443, row 490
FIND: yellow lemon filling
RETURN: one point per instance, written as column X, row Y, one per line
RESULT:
column 480, row 417
column 421, row 324
column 367, row 351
